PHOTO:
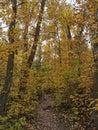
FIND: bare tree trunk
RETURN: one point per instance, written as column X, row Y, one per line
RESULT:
column 36, row 38
column 10, row 64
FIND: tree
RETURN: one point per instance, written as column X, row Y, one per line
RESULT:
column 93, row 11
column 53, row 56
column 37, row 32
column 10, row 63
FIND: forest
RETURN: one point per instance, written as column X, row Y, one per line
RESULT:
column 48, row 65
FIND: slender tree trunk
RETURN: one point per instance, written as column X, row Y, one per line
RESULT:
column 95, row 89
column 10, row 64
column 95, row 52
column 36, row 38
column 69, row 36
column 68, row 32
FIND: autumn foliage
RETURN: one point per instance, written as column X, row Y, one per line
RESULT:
column 46, row 46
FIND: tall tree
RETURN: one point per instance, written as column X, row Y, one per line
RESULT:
column 94, row 39
column 37, row 32
column 10, row 63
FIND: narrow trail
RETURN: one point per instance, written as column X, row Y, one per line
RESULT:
column 45, row 117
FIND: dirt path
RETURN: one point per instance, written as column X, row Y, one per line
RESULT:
column 45, row 118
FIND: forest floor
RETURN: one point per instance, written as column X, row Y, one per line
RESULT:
column 45, row 117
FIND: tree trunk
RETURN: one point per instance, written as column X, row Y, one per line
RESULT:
column 10, row 64
column 95, row 89
column 36, row 38
column 95, row 52
column 69, row 36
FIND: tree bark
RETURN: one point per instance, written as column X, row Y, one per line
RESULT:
column 36, row 38
column 95, row 89
column 10, row 64
column 95, row 53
